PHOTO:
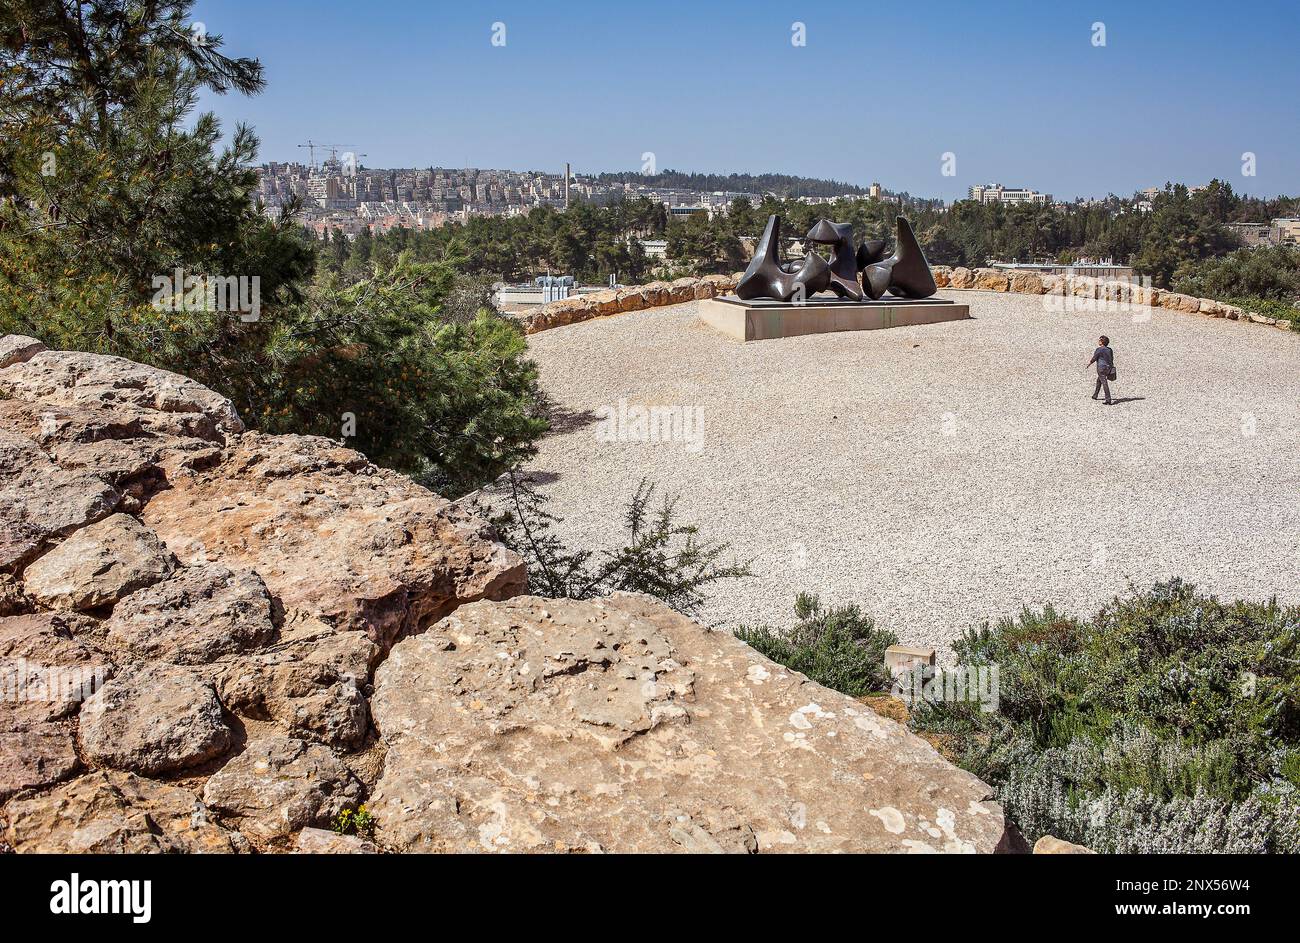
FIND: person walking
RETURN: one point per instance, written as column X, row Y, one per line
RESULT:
column 1104, row 358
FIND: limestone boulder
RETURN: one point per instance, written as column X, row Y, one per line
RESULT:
column 603, row 302
column 278, row 786
column 941, row 274
column 41, row 502
column 1083, row 286
column 1029, row 283
column 1053, row 284
column 655, row 293
column 991, row 279
column 1141, row 294
column 155, row 720
column 680, row 290
column 98, row 565
column 97, row 381
column 1048, row 845
column 704, row 289
column 305, row 699
column 620, row 725
column 1174, row 301
column 310, row 683
column 722, row 284
column 194, row 617
column 333, row 536
column 135, row 451
column 631, row 299
column 108, row 812
column 961, row 277
column 16, row 348
column 555, row 314
column 320, row 841
column 47, row 668
column 51, row 659
column 35, row 750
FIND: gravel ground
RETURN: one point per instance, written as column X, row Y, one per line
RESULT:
column 945, row 474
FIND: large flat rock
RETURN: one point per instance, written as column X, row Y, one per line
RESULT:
column 620, row 725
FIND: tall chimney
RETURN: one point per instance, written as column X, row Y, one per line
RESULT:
column 566, row 186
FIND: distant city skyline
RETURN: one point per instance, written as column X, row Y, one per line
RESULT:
column 1015, row 93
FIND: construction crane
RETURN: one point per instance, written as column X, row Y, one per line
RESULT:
column 333, row 149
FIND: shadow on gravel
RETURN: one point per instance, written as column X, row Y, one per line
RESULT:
column 1126, row 399
column 564, row 419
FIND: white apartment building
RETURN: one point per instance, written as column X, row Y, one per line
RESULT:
column 997, row 193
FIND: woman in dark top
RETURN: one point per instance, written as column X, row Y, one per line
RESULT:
column 1104, row 358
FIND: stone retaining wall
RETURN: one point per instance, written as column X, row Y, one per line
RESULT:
column 655, row 294
column 633, row 298
column 1089, row 288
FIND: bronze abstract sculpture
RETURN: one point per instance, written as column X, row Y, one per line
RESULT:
column 904, row 274
column 844, row 263
column 768, row 277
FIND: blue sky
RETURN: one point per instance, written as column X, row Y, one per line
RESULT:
column 1017, row 91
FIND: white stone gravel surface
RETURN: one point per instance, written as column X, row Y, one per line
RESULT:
column 946, row 474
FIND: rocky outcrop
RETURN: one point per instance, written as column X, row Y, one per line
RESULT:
column 226, row 639
column 198, row 616
column 171, row 585
column 619, row 725
column 40, row 501
column 47, row 668
column 65, row 378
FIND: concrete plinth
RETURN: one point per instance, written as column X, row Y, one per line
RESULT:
column 763, row 319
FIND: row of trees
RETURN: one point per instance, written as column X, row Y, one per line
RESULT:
column 595, row 243
column 783, row 185
column 103, row 192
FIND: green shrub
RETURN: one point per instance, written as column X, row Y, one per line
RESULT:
column 840, row 647
column 1269, row 272
column 1268, row 307
column 661, row 558
column 1167, row 721
column 356, row 821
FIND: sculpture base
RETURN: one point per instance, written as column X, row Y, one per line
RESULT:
column 763, row 319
